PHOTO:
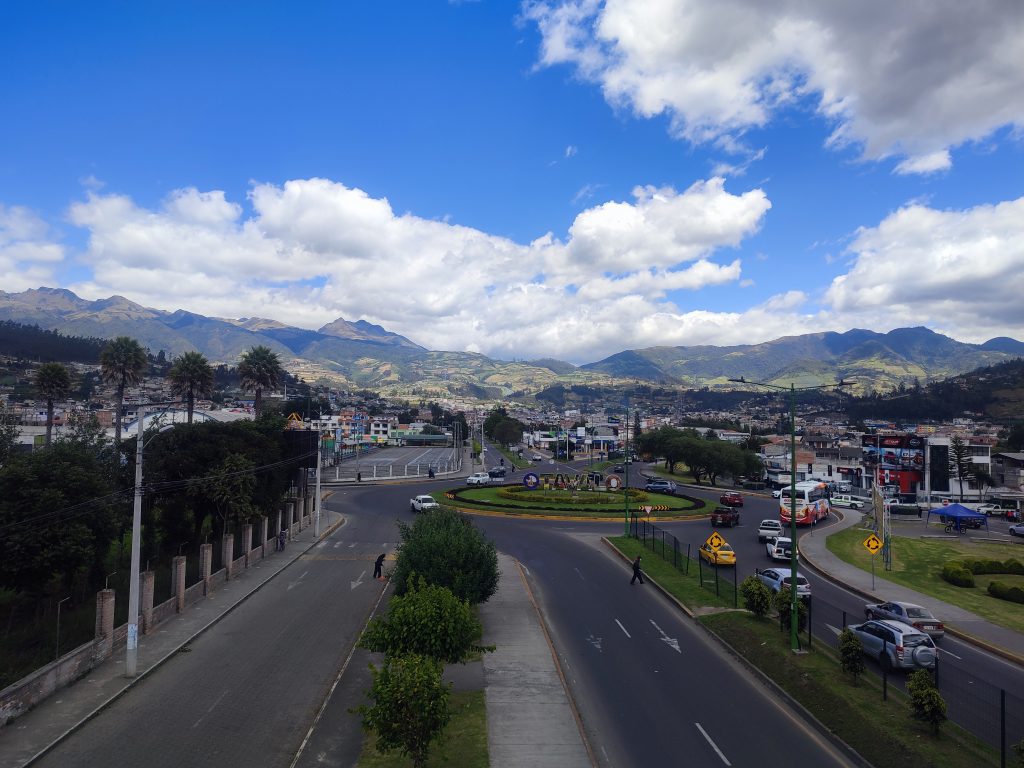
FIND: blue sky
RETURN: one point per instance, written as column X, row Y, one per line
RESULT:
column 563, row 179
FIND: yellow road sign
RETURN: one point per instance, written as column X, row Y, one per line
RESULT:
column 715, row 541
column 872, row 543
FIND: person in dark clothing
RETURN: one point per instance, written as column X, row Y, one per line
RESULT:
column 378, row 566
column 636, row 571
column 282, row 536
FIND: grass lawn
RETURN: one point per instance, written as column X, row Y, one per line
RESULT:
column 488, row 497
column 916, row 564
column 883, row 732
column 686, row 589
column 463, row 744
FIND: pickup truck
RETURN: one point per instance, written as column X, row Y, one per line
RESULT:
column 423, row 503
column 725, row 516
column 845, row 500
column 995, row 509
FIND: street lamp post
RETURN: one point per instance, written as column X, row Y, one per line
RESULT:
column 625, row 451
column 316, row 499
column 794, row 605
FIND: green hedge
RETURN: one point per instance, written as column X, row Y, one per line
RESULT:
column 1006, row 592
column 961, row 573
column 955, row 573
column 981, row 565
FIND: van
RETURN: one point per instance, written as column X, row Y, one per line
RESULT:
column 845, row 500
column 843, row 487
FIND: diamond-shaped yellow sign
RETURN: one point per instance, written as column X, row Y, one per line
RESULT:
column 872, row 543
column 715, row 541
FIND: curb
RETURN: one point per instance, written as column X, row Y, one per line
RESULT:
column 958, row 633
column 775, row 688
column 132, row 682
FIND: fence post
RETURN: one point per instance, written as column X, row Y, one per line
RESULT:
column 687, row 559
column 885, row 673
column 844, row 619
column 735, row 590
column 715, row 566
column 809, row 624
column 1002, row 728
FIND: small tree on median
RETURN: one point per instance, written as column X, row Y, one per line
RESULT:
column 757, row 598
column 410, row 706
column 925, row 700
column 851, row 654
column 783, row 605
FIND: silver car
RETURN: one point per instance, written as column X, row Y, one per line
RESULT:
column 896, row 645
column 919, row 618
column 778, row 580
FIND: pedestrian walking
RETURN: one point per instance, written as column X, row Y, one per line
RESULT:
column 281, row 536
column 636, row 571
column 378, row 567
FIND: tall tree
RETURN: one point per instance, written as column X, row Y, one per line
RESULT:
column 960, row 461
column 8, row 433
column 53, row 383
column 259, row 369
column 122, row 362
column 191, row 375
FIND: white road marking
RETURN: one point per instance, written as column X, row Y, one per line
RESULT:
column 358, row 581
column 836, row 630
column 210, row 709
column 671, row 642
column 949, row 653
column 623, row 629
column 350, row 546
column 296, row 582
column 338, row 544
column 595, row 641
column 579, row 574
column 712, row 743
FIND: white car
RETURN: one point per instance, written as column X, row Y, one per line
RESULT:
column 843, row 500
column 1017, row 529
column 780, row 548
column 478, row 478
column 777, row 493
column 423, row 503
column 777, row 579
column 769, row 529
column 536, row 457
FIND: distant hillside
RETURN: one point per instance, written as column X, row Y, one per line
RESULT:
column 30, row 342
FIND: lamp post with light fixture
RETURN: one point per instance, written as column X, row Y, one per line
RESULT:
column 794, row 627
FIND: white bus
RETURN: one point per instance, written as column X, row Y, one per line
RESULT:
column 812, row 503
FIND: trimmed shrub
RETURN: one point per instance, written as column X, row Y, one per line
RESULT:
column 928, row 706
column 851, row 654
column 956, row 574
column 782, row 602
column 1004, row 591
column 757, row 598
column 1015, row 567
column 984, row 565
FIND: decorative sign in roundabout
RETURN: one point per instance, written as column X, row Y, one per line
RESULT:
column 531, row 480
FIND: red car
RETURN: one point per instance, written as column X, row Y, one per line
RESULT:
column 731, row 499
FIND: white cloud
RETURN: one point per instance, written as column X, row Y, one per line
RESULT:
column 896, row 79
column 27, row 256
column 945, row 269
column 570, row 151
column 313, row 250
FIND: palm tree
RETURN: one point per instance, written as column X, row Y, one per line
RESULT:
column 259, row 369
column 959, row 462
column 52, row 382
column 123, row 361
column 191, row 375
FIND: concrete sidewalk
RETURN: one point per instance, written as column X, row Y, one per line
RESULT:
column 959, row 622
column 530, row 718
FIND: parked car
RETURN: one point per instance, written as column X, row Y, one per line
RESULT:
column 844, row 500
column 778, row 579
column 780, row 548
column 1017, row 529
column 496, row 472
column 731, row 499
column 536, row 457
column 896, row 645
column 843, row 487
column 769, row 529
column 777, row 493
column 995, row 509
column 423, row 503
column 725, row 555
column 919, row 618
column 660, row 486
column 478, row 478
column 725, row 516
column 618, row 468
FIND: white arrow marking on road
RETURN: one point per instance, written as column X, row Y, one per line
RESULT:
column 713, row 745
column 337, row 544
column 623, row 629
column 670, row 641
column 296, row 582
column 837, row 630
column 351, row 545
column 579, row 574
column 595, row 641
column 358, row 581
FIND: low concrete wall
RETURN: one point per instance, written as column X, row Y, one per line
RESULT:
column 166, row 610
column 18, row 698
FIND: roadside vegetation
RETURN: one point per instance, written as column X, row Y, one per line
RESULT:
column 598, row 504
column 918, row 563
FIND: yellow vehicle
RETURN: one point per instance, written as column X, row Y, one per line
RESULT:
column 724, row 556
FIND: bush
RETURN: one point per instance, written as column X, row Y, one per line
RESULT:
column 851, row 654
column 757, row 598
column 980, row 565
column 445, row 549
column 919, row 680
column 427, row 620
column 929, row 707
column 1015, row 567
column 783, row 605
column 956, row 574
column 1004, row 591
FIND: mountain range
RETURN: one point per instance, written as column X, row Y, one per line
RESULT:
column 361, row 354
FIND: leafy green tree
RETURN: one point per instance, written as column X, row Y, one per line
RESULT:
column 259, row 369
column 191, row 375
column 229, row 488
column 960, row 465
column 926, row 702
column 851, row 654
column 427, row 620
column 783, row 603
column 411, row 706
column 8, row 434
column 53, row 383
column 1015, row 438
column 508, row 431
column 123, row 362
column 448, row 551
column 757, row 598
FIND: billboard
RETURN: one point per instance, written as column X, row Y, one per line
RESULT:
column 898, row 452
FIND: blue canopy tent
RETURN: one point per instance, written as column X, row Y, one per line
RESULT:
column 958, row 516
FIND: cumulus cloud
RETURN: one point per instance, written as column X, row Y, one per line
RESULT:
column 313, row 250
column 27, row 255
column 908, row 80
column 945, row 269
